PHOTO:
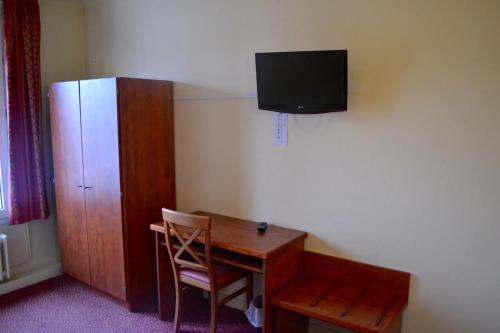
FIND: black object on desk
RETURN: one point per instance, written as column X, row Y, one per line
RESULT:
column 262, row 226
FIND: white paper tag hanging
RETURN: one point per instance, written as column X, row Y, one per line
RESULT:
column 280, row 129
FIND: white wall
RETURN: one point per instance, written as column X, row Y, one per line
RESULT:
column 407, row 178
column 33, row 246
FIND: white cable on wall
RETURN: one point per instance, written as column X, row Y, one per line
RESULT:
column 211, row 98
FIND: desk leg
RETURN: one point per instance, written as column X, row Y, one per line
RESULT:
column 165, row 278
column 280, row 269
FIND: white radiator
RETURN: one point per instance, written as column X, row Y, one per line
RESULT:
column 4, row 259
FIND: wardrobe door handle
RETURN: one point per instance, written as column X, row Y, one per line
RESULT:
column 80, row 186
column 87, row 187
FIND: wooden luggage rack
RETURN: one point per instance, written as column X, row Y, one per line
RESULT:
column 360, row 297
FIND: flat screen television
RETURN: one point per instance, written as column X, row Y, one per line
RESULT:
column 302, row 82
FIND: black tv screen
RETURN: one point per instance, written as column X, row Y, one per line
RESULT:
column 302, row 82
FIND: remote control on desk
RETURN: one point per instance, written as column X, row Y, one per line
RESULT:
column 262, row 226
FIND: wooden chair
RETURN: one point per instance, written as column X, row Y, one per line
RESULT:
column 193, row 265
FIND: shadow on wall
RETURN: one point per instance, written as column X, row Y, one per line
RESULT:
column 324, row 246
column 212, row 143
column 376, row 74
column 422, row 318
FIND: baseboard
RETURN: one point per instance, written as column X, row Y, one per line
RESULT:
column 30, row 277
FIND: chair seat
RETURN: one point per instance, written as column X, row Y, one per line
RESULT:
column 224, row 274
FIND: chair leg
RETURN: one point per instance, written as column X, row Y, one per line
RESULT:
column 213, row 311
column 249, row 288
column 178, row 305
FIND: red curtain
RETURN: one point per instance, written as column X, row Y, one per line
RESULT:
column 27, row 193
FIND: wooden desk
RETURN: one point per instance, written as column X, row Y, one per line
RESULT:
column 277, row 254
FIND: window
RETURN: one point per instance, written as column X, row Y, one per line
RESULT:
column 3, row 160
column 4, row 154
column 3, row 167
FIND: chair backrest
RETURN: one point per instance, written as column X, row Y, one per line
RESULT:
column 186, row 229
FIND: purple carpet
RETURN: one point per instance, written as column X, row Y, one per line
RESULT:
column 64, row 305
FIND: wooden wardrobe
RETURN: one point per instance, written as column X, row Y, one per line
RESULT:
column 113, row 154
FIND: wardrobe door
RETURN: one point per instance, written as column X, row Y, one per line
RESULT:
column 148, row 182
column 68, row 177
column 102, row 185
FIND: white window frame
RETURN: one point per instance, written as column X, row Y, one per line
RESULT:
column 4, row 152
column 3, row 168
column 3, row 163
